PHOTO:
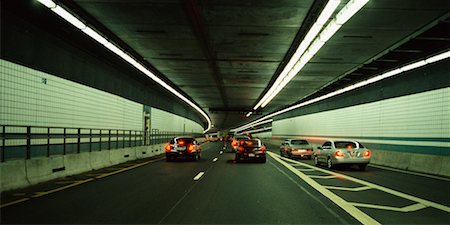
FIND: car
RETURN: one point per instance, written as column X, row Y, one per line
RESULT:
column 296, row 148
column 250, row 149
column 349, row 152
column 183, row 147
column 235, row 141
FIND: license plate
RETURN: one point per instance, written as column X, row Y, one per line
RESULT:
column 353, row 154
column 180, row 148
column 251, row 155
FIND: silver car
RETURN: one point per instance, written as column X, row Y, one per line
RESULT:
column 335, row 152
column 296, row 148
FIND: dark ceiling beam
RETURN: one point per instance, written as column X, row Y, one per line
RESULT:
column 198, row 27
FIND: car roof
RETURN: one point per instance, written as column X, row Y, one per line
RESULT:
column 184, row 137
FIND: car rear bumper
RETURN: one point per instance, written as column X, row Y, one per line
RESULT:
column 301, row 153
column 351, row 160
column 250, row 156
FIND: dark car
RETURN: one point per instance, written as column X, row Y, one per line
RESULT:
column 182, row 147
column 235, row 141
column 250, row 149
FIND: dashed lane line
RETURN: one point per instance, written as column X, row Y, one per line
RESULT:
column 199, row 175
column 374, row 186
column 349, row 208
column 215, row 159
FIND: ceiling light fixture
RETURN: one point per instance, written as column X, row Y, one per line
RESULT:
column 312, row 43
column 124, row 55
column 394, row 72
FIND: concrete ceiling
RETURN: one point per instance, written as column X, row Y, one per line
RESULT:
column 225, row 53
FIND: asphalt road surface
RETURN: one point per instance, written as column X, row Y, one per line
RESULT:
column 216, row 190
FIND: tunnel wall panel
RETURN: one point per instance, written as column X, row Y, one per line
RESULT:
column 166, row 121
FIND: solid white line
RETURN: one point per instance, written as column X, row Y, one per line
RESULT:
column 215, row 159
column 375, row 186
column 196, row 178
column 352, row 210
column 409, row 172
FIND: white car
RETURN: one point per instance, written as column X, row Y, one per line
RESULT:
column 349, row 152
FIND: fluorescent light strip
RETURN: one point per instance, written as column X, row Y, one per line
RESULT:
column 112, row 47
column 350, row 9
column 408, row 67
column 326, row 13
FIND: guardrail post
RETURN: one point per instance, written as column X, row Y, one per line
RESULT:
column 129, row 140
column 90, row 140
column 28, row 142
column 135, row 138
column 79, row 140
column 123, row 139
column 117, row 139
column 109, row 139
column 48, row 141
column 64, row 145
column 100, row 139
column 3, row 143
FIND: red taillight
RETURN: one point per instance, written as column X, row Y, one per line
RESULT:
column 339, row 153
column 190, row 148
column 367, row 153
column 234, row 143
column 168, row 148
column 309, row 149
column 180, row 143
column 240, row 148
column 263, row 148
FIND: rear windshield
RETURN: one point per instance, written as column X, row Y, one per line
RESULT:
column 345, row 144
column 299, row 142
column 183, row 141
column 250, row 143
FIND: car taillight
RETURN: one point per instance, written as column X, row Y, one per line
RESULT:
column 180, row 143
column 190, row 148
column 366, row 153
column 262, row 148
column 309, row 149
column 240, row 148
column 234, row 143
column 168, row 148
column 339, row 153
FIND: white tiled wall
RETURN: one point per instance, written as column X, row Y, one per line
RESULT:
column 425, row 115
column 25, row 99
column 165, row 121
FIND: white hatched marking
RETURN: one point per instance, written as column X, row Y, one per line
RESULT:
column 322, row 177
column 363, row 188
column 409, row 208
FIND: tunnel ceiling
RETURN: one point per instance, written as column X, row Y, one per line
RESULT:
column 224, row 54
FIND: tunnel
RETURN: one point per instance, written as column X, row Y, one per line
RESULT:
column 225, row 112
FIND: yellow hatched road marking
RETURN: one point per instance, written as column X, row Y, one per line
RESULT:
column 14, row 202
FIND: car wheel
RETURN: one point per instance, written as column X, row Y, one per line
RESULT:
column 316, row 161
column 263, row 160
column 362, row 167
column 329, row 163
column 168, row 159
column 308, row 157
column 237, row 158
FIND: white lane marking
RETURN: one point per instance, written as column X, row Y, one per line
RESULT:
column 221, row 152
column 215, row 159
column 322, row 177
column 375, row 186
column 409, row 172
column 306, row 170
column 352, row 210
column 363, row 188
column 409, row 208
column 198, row 176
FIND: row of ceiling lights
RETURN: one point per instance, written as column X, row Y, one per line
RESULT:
column 69, row 17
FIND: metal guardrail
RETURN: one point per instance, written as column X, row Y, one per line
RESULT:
column 25, row 142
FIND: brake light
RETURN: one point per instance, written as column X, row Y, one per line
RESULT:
column 180, row 143
column 309, row 149
column 168, row 148
column 234, row 143
column 240, row 148
column 366, row 153
column 263, row 148
column 241, row 142
column 190, row 148
column 339, row 153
